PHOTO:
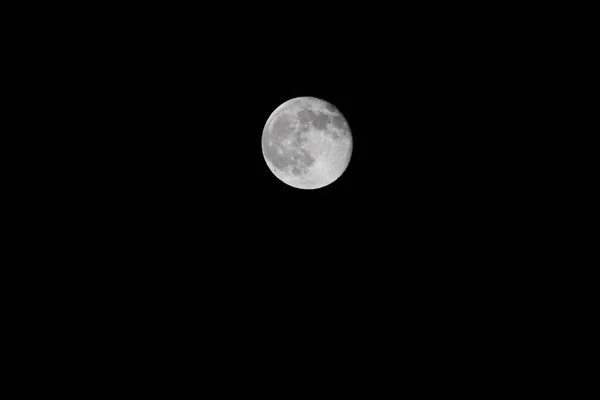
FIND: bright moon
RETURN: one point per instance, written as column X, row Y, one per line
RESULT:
column 307, row 143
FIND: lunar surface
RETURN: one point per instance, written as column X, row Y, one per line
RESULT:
column 307, row 143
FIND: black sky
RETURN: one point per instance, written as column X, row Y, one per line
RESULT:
column 169, row 117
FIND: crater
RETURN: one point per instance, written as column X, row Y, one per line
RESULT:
column 330, row 107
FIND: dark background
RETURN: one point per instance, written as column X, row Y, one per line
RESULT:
column 173, row 111
column 156, row 204
column 159, row 113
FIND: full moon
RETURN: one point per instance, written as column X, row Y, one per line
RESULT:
column 307, row 143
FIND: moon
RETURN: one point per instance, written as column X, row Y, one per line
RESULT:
column 307, row 143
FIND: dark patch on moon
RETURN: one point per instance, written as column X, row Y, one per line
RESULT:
column 282, row 127
column 294, row 158
column 305, row 116
column 301, row 135
column 321, row 121
column 330, row 107
column 339, row 122
column 289, row 158
column 306, row 159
